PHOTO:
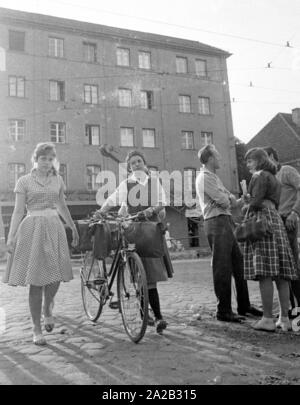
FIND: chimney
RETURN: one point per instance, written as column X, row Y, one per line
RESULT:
column 296, row 116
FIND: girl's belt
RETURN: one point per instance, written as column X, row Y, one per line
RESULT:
column 48, row 212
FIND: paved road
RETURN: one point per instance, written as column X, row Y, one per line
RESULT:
column 195, row 349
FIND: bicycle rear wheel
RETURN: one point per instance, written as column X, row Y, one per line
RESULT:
column 133, row 296
column 94, row 289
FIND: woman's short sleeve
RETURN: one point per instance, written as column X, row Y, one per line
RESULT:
column 21, row 185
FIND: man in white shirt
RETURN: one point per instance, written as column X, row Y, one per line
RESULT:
column 227, row 260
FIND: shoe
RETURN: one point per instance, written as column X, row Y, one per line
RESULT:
column 284, row 324
column 160, row 324
column 265, row 324
column 252, row 311
column 231, row 317
column 48, row 320
column 49, row 323
column 38, row 339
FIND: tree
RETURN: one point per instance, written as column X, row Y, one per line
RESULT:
column 241, row 149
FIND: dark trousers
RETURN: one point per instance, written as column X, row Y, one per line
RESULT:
column 295, row 284
column 227, row 261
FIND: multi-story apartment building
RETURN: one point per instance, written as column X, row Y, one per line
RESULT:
column 81, row 85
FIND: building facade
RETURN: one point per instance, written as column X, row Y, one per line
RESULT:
column 81, row 85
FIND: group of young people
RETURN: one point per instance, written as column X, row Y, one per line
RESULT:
column 273, row 193
column 39, row 254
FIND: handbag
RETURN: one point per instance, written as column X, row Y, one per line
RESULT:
column 85, row 235
column 147, row 237
column 252, row 228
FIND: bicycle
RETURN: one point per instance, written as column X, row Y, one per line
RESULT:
column 97, row 282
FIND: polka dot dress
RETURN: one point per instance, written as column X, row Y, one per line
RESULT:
column 41, row 254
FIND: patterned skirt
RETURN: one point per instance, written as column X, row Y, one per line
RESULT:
column 271, row 256
column 40, row 255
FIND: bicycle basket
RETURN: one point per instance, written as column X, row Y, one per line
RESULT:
column 147, row 237
column 106, row 239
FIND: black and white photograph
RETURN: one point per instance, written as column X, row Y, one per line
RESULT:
column 149, row 195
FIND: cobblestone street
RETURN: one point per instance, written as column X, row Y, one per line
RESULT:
column 195, row 348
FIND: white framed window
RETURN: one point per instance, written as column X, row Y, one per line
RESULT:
column 206, row 138
column 58, row 132
column 92, row 133
column 56, row 47
column 185, row 105
column 127, row 136
column 15, row 171
column 181, row 64
column 56, row 90
column 125, row 98
column 16, row 40
column 89, row 52
column 147, row 99
column 16, row 86
column 144, row 60
column 63, row 172
column 123, row 57
column 91, row 94
column 189, row 178
column 187, row 140
column 201, row 67
column 148, row 138
column 16, row 130
column 91, row 175
column 204, row 105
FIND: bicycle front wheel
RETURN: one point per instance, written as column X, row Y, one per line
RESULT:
column 94, row 290
column 133, row 296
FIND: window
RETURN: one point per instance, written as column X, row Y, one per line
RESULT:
column 16, row 86
column 89, row 52
column 187, row 140
column 56, row 90
column 91, row 172
column 15, row 171
column 147, row 99
column 185, row 104
column 56, row 47
column 92, row 133
column 201, row 67
column 148, row 138
column 125, row 98
column 123, row 57
column 144, row 60
column 16, row 130
column 58, row 132
column 63, row 172
column 204, row 105
column 181, row 64
column 16, row 40
column 206, row 138
column 189, row 178
column 127, row 137
column 90, row 94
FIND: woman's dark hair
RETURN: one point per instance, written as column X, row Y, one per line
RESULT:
column 262, row 159
column 134, row 153
column 42, row 149
column 205, row 153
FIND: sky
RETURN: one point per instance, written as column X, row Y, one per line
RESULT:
column 258, row 34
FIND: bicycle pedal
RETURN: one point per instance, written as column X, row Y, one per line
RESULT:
column 114, row 305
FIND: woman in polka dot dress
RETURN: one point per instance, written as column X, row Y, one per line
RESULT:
column 39, row 253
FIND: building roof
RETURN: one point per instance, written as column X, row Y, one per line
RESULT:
column 293, row 127
column 22, row 18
